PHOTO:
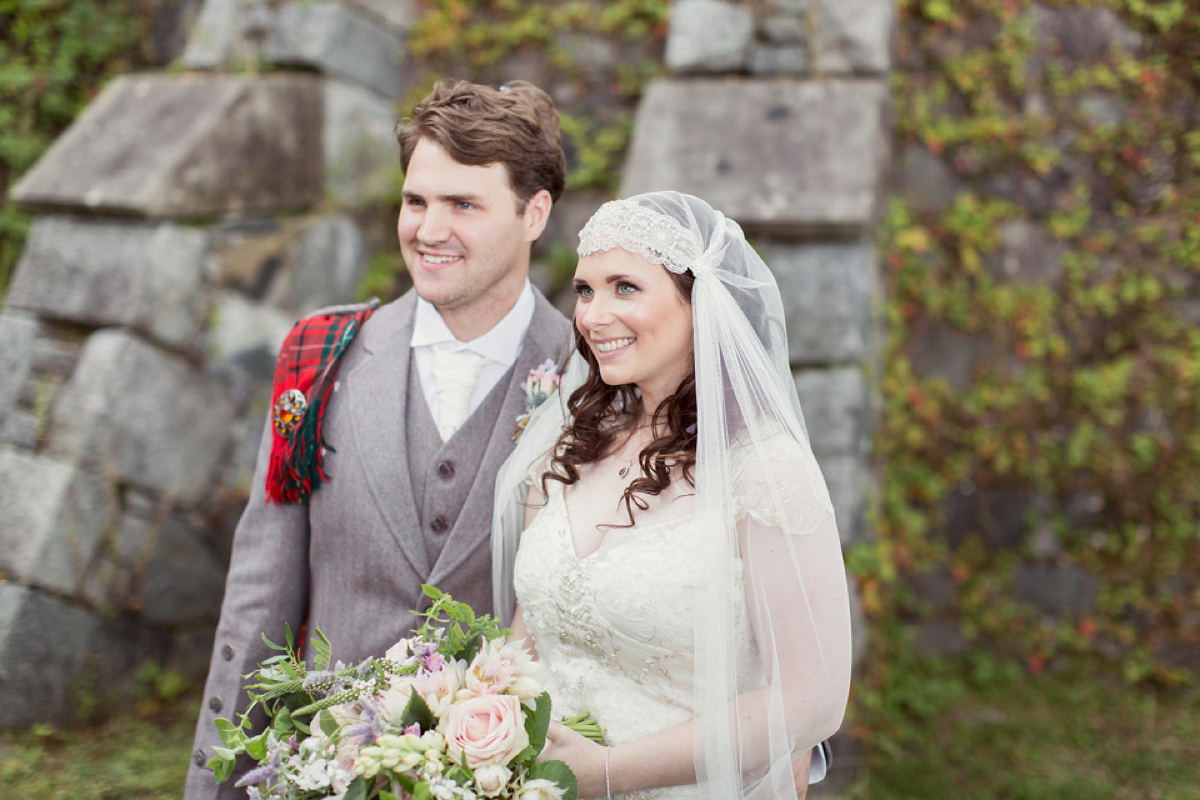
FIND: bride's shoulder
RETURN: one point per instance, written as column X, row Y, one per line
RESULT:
column 776, row 479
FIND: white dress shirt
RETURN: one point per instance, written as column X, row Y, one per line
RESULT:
column 500, row 346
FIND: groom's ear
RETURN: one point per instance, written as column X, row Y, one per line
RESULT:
column 537, row 213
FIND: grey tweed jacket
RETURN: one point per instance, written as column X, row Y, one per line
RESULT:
column 352, row 559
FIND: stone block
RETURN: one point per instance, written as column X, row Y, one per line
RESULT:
column 995, row 515
column 1056, row 589
column 185, row 581
column 775, row 60
column 827, row 294
column 794, row 157
column 214, row 37
column 938, row 638
column 361, row 150
column 86, row 655
column 1026, row 254
column 925, row 181
column 845, row 477
column 135, row 413
column 1082, row 34
column 18, row 329
column 327, row 265
column 53, row 522
column 835, row 408
column 708, row 36
column 21, row 429
column 330, row 38
column 188, row 145
column 248, row 334
column 938, row 350
column 859, row 627
column 398, row 15
column 935, row 589
column 100, row 272
column 854, row 36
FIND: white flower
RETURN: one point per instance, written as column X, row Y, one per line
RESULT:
column 492, row 779
column 540, row 789
column 438, row 688
column 391, row 702
column 400, row 652
column 498, row 667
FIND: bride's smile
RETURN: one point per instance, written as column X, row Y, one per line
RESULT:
column 636, row 321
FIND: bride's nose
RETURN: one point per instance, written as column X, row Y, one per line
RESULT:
column 593, row 315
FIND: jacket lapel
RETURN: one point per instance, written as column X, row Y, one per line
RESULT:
column 377, row 401
column 545, row 339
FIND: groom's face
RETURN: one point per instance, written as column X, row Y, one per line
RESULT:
column 461, row 236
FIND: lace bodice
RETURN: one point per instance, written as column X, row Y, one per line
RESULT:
column 614, row 628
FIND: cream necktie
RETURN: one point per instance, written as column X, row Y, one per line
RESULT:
column 454, row 373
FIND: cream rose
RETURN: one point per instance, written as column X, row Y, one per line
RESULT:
column 487, row 730
column 391, row 702
column 491, row 780
column 500, row 668
column 438, row 688
column 540, row 789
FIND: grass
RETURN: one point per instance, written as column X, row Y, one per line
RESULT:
column 141, row 754
column 1075, row 735
column 1072, row 735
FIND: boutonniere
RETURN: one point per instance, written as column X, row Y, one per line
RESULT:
column 541, row 382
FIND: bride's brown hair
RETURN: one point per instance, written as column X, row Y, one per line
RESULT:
column 604, row 414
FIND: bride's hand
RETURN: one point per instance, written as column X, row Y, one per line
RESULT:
column 582, row 755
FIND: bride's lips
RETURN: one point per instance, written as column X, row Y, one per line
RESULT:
column 608, row 349
column 439, row 261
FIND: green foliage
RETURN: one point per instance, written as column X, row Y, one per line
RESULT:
column 54, row 56
column 1086, row 384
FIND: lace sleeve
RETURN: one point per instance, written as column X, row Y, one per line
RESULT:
column 788, row 493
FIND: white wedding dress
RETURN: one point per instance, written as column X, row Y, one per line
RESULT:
column 613, row 630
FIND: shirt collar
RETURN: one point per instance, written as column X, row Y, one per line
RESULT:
column 501, row 344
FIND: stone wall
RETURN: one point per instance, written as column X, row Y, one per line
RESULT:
column 777, row 114
column 185, row 221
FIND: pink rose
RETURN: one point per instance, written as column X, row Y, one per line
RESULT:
column 488, row 730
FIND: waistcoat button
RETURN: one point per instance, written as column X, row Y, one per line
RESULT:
column 227, row 653
column 438, row 525
column 214, row 703
column 445, row 469
column 198, row 757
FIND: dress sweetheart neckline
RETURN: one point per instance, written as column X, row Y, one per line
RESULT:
column 610, row 540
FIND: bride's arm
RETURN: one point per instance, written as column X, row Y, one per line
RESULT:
column 808, row 664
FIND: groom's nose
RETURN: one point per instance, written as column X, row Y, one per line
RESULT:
column 435, row 227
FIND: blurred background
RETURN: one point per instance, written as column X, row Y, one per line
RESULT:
column 985, row 219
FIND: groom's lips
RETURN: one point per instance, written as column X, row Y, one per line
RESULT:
column 441, row 260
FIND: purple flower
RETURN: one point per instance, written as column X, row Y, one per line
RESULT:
column 414, row 729
column 257, row 776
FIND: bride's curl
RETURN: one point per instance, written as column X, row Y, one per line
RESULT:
column 604, row 415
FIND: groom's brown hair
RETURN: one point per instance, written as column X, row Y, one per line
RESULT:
column 515, row 125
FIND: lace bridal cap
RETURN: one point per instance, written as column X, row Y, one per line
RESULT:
column 764, row 521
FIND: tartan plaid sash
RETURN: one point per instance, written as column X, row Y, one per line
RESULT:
column 304, row 376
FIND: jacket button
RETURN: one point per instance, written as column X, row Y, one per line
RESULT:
column 445, row 469
column 227, row 653
column 198, row 757
column 214, row 703
column 438, row 524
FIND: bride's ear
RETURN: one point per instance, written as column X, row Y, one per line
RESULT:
column 537, row 213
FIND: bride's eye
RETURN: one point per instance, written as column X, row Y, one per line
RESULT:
column 583, row 290
column 625, row 287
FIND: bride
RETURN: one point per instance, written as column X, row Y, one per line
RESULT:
column 679, row 574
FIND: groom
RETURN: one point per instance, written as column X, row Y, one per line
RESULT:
column 420, row 415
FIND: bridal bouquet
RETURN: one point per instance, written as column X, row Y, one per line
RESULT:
column 452, row 713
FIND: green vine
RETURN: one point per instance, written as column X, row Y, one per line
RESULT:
column 1083, row 395
column 54, row 55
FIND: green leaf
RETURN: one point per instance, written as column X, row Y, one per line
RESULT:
column 431, row 591
column 537, row 722
column 357, row 790
column 256, row 748
column 384, row 794
column 231, row 735
column 225, row 753
column 417, row 712
column 406, row 783
column 222, row 768
column 328, row 724
column 421, row 791
column 560, row 773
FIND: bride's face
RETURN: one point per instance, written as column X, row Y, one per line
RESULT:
column 635, row 321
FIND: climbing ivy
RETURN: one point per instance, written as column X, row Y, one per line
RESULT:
column 54, row 55
column 1082, row 404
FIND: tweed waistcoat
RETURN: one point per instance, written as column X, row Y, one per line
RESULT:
column 443, row 473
